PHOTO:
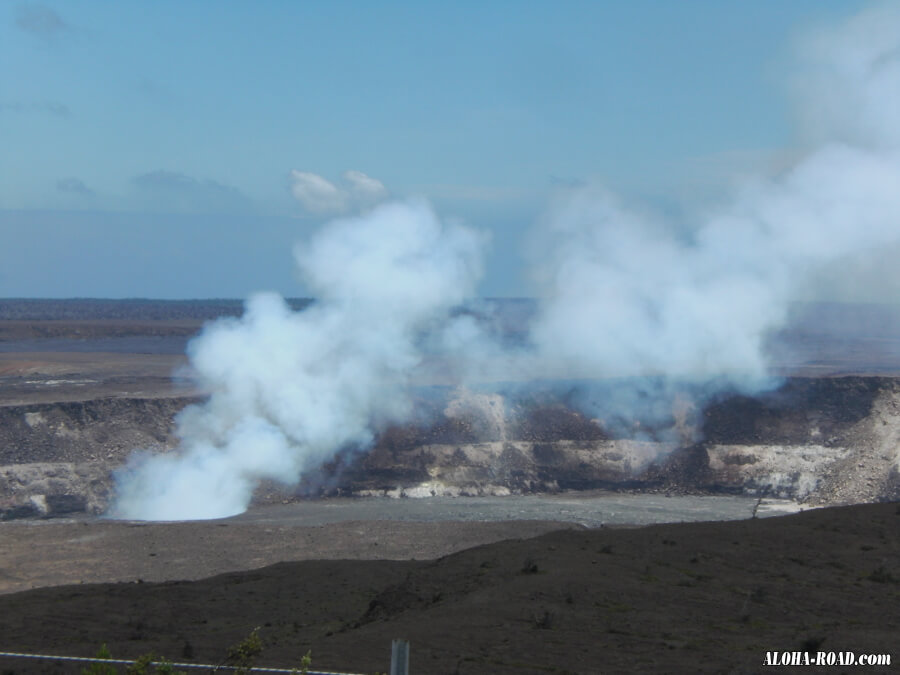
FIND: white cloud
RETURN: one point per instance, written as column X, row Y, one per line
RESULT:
column 318, row 195
column 366, row 190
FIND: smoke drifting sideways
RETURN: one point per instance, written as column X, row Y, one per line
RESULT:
column 624, row 299
column 691, row 311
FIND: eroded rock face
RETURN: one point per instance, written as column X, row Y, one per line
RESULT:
column 79, row 431
column 56, row 458
column 870, row 471
column 823, row 441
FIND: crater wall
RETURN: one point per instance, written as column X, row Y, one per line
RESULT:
column 816, row 440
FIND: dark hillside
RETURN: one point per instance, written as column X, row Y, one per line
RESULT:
column 701, row 597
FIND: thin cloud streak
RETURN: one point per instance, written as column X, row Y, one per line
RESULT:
column 73, row 185
column 54, row 108
column 39, row 20
column 190, row 193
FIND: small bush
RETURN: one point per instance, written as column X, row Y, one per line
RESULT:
column 166, row 668
column 141, row 666
column 305, row 663
column 244, row 653
column 101, row 668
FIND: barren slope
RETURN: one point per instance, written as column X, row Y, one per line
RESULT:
column 702, row 597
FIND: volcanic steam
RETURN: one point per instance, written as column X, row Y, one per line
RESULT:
column 661, row 309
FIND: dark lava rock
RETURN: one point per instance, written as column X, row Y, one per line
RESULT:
column 61, row 505
column 789, row 414
column 28, row 510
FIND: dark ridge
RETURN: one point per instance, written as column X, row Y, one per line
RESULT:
column 29, row 433
column 134, row 309
column 551, row 423
column 791, row 413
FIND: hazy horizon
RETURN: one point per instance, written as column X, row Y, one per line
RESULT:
column 181, row 151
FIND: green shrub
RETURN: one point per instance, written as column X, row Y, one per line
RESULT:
column 244, row 653
column 101, row 668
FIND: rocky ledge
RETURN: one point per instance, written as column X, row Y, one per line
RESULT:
column 816, row 440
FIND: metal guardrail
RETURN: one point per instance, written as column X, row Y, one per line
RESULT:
column 195, row 666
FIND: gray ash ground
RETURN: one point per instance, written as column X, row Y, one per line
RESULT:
column 91, row 549
column 691, row 597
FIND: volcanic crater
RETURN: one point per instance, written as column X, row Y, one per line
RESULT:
column 544, row 585
column 88, row 392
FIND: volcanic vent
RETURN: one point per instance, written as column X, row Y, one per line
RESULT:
column 820, row 441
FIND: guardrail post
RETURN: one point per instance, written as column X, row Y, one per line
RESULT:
column 400, row 657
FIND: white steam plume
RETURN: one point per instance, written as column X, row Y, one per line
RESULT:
column 669, row 311
column 627, row 296
column 624, row 296
column 291, row 389
column 846, row 84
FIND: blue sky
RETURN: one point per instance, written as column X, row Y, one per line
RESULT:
column 146, row 149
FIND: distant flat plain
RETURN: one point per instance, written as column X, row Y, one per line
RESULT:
column 80, row 349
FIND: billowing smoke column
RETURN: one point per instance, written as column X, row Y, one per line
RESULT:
column 627, row 296
column 624, row 297
column 291, row 389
